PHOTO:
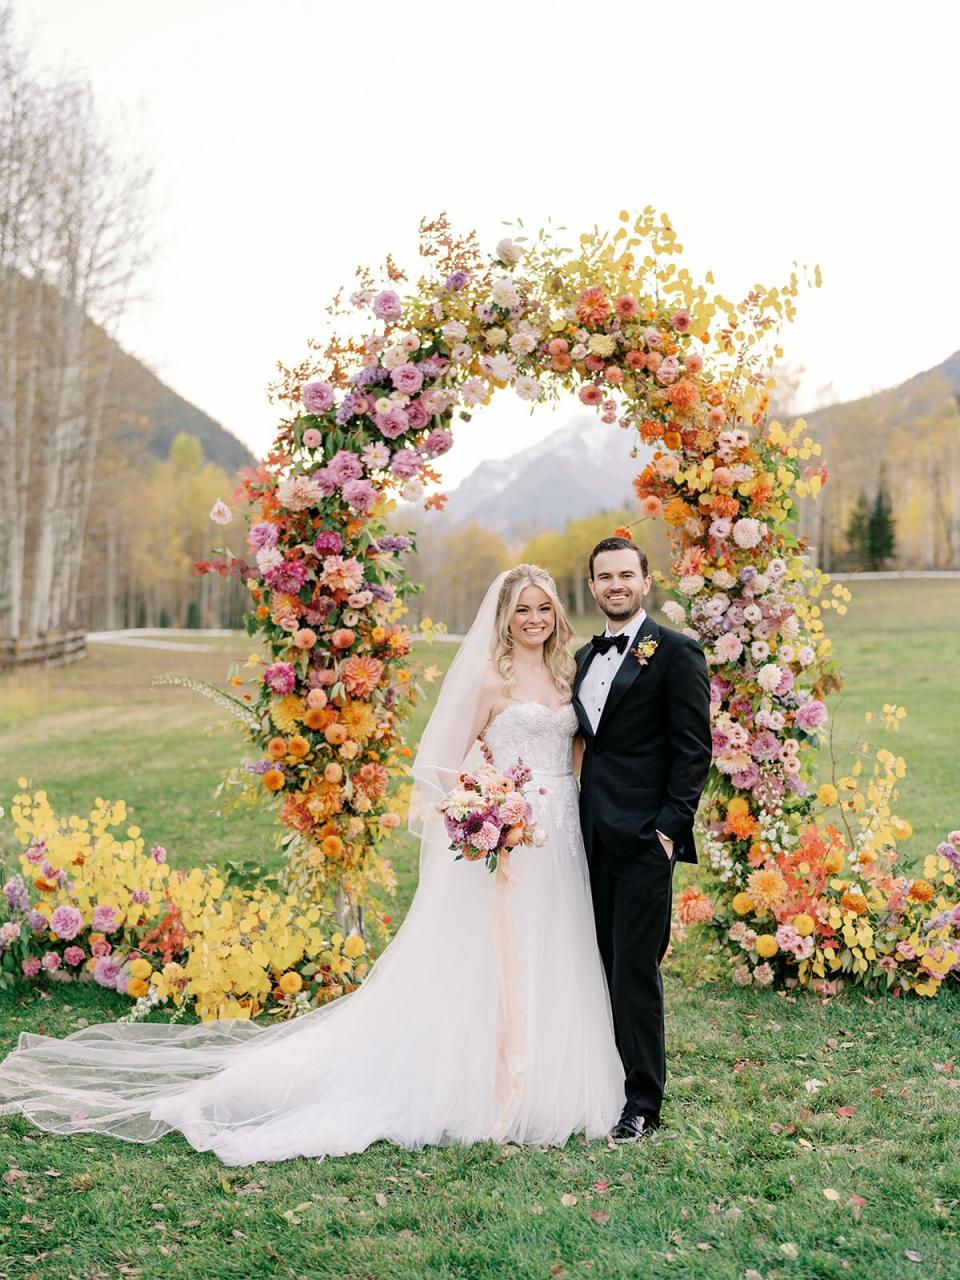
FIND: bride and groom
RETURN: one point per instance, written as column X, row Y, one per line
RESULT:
column 522, row 1006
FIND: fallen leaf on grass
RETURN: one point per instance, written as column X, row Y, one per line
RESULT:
column 11, row 1175
column 381, row 1199
column 913, row 1255
column 750, row 1274
column 856, row 1204
column 807, row 1146
column 406, row 1233
column 739, row 1065
column 830, row 1194
column 845, row 1112
column 52, row 1173
column 567, row 1200
column 600, row 1217
column 814, row 1085
column 790, row 1250
column 536, row 1208
column 704, row 1245
column 601, row 1184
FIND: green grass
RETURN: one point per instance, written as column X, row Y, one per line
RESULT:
column 734, row 1183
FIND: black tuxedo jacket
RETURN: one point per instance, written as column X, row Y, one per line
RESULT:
column 646, row 766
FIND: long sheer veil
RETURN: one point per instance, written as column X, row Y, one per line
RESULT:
column 238, row 1086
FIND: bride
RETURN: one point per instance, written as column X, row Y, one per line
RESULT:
column 486, row 1017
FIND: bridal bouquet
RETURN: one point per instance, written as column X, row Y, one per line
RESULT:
column 488, row 813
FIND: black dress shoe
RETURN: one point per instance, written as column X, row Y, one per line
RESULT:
column 633, row 1125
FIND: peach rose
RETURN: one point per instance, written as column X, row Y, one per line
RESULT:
column 304, row 638
column 316, row 699
column 343, row 638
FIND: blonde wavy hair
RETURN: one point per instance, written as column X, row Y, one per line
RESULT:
column 556, row 650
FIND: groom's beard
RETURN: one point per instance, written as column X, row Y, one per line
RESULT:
column 620, row 610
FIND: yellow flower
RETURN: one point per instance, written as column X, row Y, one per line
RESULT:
column 290, row 983
column 359, row 721
column 287, row 711
column 742, row 904
column 137, row 987
column 767, row 945
column 827, row 795
column 141, row 968
column 804, row 924
column 601, row 344
column 737, row 806
column 767, row 887
column 354, row 947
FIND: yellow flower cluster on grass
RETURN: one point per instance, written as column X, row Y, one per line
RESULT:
column 226, row 951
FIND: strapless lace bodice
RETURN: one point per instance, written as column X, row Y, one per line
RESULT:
column 541, row 736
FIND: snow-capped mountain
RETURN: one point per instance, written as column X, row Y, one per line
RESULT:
column 578, row 469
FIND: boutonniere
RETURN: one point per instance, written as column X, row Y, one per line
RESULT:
column 645, row 650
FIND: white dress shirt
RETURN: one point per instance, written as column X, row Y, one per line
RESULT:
column 603, row 667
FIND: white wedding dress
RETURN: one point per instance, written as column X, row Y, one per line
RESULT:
column 486, row 1017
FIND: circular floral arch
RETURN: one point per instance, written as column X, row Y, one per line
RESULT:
column 802, row 879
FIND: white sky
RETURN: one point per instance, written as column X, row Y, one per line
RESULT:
column 294, row 139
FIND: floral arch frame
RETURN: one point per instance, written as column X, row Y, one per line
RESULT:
column 803, row 881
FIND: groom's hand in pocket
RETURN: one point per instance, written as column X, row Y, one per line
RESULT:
column 667, row 845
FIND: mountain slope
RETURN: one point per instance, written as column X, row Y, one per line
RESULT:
column 583, row 467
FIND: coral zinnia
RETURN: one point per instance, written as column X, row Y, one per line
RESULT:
column 273, row 780
column 683, row 395
column 766, row 887
column 361, row 674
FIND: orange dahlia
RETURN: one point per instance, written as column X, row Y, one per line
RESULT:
column 683, row 395
column 766, row 887
column 592, row 306
column 920, row 891
column 361, row 674
column 694, row 907
column 853, row 900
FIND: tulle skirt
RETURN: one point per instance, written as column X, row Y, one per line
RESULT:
column 486, row 1017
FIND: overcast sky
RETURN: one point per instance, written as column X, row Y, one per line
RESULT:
column 294, row 139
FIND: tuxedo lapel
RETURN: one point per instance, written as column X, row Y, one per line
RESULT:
column 584, row 658
column 628, row 672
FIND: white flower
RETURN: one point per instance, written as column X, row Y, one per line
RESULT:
column 752, row 613
column 394, row 357
column 760, row 584
column 769, row 676
column 504, row 293
column 674, row 611
column 578, row 351
column 528, row 388
column 691, row 583
column 269, row 558
column 462, row 353
column 509, row 252
column 747, row 532
column 523, row 342
column 454, row 331
column 723, row 579
column 785, row 653
column 298, row 492
column 776, row 569
column 410, row 342
column 805, row 655
column 220, row 513
column 495, row 337
column 759, row 650
column 412, row 491
column 501, row 368
column 474, row 390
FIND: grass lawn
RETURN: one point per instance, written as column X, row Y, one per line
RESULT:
column 802, row 1139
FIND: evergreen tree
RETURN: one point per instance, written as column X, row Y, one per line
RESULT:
column 858, row 531
column 881, row 528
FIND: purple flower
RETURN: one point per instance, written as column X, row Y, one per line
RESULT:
column 66, row 922
column 280, row 677
column 359, row 495
column 328, row 542
column 393, row 542
column 456, row 281
column 18, row 896
column 140, row 896
column 158, row 853
column 811, row 715
column 951, row 853
column 326, row 480
column 393, row 424
column 258, row 767
column 387, row 306
column 348, row 407
column 407, row 378
column 288, row 577
column 317, row 397
column 747, row 778
column 382, row 593
column 432, row 366
column 31, row 966
column 105, row 919
column 405, row 463
column 263, row 535
column 765, row 746
column 344, row 466
column 417, row 415
column 37, row 922
column 437, row 442
column 371, row 375
column 106, row 972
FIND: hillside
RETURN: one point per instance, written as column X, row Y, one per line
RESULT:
column 578, row 469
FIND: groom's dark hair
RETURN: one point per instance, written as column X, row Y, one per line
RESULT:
column 619, row 544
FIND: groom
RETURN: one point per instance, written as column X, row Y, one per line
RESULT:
column 642, row 697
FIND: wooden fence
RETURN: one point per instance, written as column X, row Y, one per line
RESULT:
column 55, row 650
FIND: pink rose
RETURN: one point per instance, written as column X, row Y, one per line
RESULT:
column 101, row 947
column 50, row 961
column 66, row 922
column 317, row 397
column 304, row 638
column 30, row 967
column 387, row 305
column 312, row 438
column 407, row 378
column 74, row 955
column 692, row 362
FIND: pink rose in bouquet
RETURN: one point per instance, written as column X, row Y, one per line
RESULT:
column 488, row 814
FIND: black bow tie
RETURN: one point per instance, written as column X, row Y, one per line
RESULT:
column 603, row 643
